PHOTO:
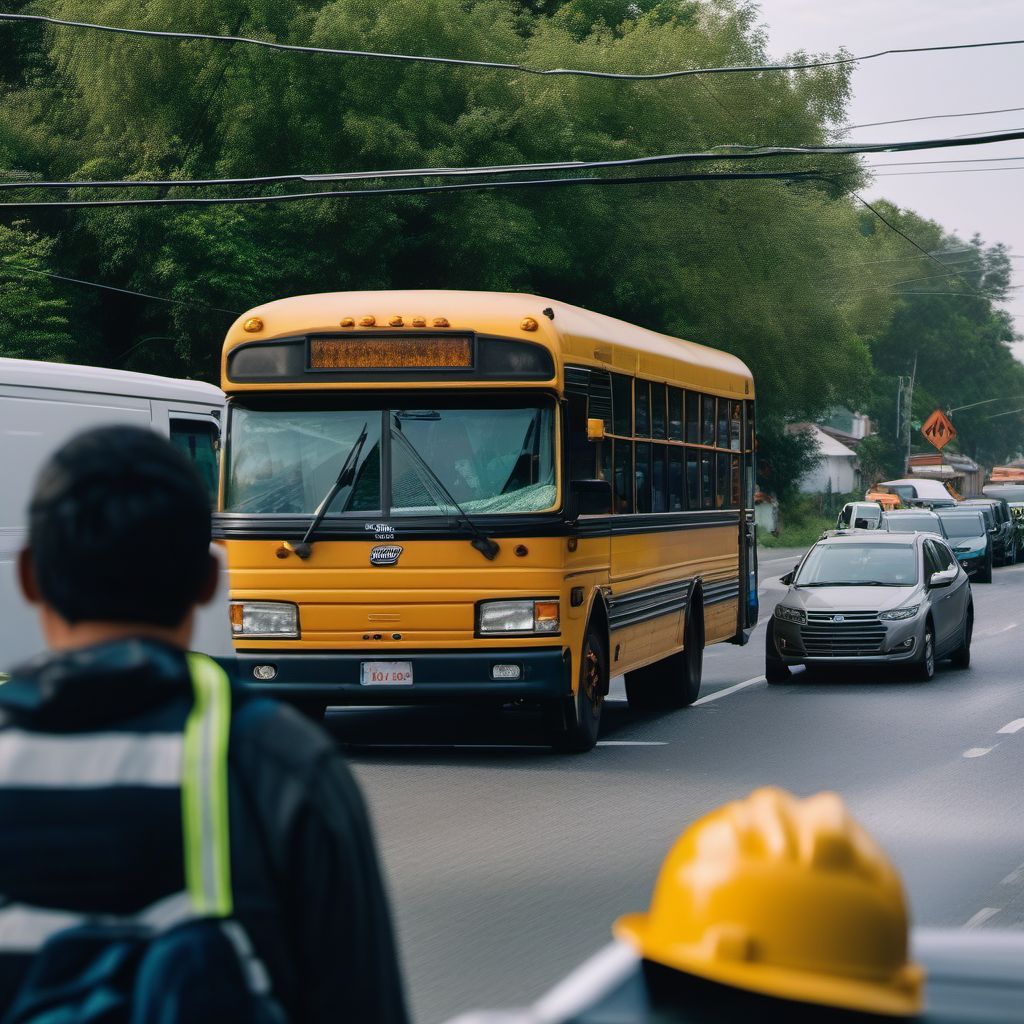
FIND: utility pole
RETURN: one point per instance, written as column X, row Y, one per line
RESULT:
column 908, row 408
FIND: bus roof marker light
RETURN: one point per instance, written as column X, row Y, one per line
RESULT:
column 396, row 321
column 253, row 325
column 367, row 321
column 347, row 321
column 528, row 324
column 440, row 321
column 419, row 321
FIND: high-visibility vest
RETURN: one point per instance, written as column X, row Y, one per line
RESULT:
column 196, row 760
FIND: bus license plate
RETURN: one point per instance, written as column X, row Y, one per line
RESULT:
column 386, row 673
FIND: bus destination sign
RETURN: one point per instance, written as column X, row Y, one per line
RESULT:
column 380, row 353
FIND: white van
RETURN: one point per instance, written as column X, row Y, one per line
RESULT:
column 42, row 405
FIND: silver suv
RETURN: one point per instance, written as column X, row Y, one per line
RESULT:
column 900, row 598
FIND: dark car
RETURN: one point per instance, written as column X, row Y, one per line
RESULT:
column 873, row 598
column 1001, row 525
column 971, row 540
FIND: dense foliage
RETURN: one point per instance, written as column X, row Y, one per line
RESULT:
column 785, row 275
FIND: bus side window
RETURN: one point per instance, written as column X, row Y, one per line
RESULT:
column 658, row 411
column 676, row 480
column 707, row 434
column 722, row 489
column 623, row 477
column 622, row 405
column 723, row 423
column 675, row 414
column 707, row 480
column 692, row 479
column 735, row 431
column 736, row 492
column 659, row 478
column 642, row 407
column 643, row 477
column 582, row 451
column 692, row 418
column 199, row 442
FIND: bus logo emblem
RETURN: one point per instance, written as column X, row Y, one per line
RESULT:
column 385, row 554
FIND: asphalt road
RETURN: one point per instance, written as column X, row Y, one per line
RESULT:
column 507, row 864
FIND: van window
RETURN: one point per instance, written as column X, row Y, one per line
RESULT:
column 199, row 442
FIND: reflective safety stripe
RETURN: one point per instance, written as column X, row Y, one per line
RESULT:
column 204, row 790
column 92, row 761
column 24, row 928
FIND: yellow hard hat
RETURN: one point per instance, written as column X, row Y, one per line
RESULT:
column 790, row 898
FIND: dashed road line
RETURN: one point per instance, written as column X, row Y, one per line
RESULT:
column 1015, row 726
column 979, row 751
column 729, row 689
column 996, row 632
column 983, row 915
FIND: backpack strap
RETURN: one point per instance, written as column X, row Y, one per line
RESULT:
column 204, row 790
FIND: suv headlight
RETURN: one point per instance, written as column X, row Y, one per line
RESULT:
column 271, row 619
column 791, row 614
column 518, row 617
column 900, row 613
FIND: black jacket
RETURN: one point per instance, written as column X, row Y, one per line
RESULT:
column 305, row 875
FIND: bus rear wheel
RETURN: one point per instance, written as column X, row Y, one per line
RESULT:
column 577, row 722
column 673, row 682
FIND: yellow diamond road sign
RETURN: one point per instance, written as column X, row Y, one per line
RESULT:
column 938, row 429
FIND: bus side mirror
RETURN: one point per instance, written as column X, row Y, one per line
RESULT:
column 591, row 497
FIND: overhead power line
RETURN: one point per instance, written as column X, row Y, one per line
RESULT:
column 949, row 170
column 730, row 151
column 414, row 190
column 112, row 288
column 933, row 117
column 498, row 65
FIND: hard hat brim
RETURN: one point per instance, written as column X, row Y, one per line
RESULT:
column 900, row 996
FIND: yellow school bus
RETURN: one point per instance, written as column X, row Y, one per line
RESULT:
column 444, row 496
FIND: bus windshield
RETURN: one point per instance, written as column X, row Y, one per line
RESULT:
column 489, row 460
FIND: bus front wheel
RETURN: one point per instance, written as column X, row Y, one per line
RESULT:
column 576, row 726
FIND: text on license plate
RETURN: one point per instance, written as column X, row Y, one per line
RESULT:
column 386, row 673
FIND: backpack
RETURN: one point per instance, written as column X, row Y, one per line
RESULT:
column 184, row 960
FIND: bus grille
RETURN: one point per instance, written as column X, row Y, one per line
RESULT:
column 857, row 634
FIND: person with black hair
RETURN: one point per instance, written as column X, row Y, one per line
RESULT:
column 94, row 735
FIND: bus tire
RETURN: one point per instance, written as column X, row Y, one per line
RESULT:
column 575, row 731
column 673, row 682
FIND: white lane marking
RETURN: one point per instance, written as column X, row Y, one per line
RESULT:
column 978, row 751
column 983, row 915
column 1015, row 726
column 1014, row 876
column 632, row 743
column 996, row 632
column 729, row 689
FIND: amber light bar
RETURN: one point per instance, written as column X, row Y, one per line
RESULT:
column 420, row 351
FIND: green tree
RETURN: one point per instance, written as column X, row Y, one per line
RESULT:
column 33, row 315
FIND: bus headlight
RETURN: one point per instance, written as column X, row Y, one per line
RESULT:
column 517, row 617
column 270, row 619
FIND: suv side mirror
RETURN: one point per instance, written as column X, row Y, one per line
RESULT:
column 790, row 576
column 943, row 578
column 590, row 497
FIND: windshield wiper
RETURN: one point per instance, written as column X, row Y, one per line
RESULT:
column 487, row 547
column 346, row 475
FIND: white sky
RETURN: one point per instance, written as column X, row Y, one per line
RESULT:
column 914, row 85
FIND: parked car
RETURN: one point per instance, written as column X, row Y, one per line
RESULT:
column 860, row 515
column 888, row 598
column 912, row 520
column 971, row 540
column 999, row 520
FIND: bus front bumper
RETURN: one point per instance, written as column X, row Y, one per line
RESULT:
column 437, row 676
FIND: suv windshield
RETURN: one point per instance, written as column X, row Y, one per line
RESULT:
column 283, row 460
column 851, row 565
column 964, row 525
column 913, row 524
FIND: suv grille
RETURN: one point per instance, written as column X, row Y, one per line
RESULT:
column 858, row 634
